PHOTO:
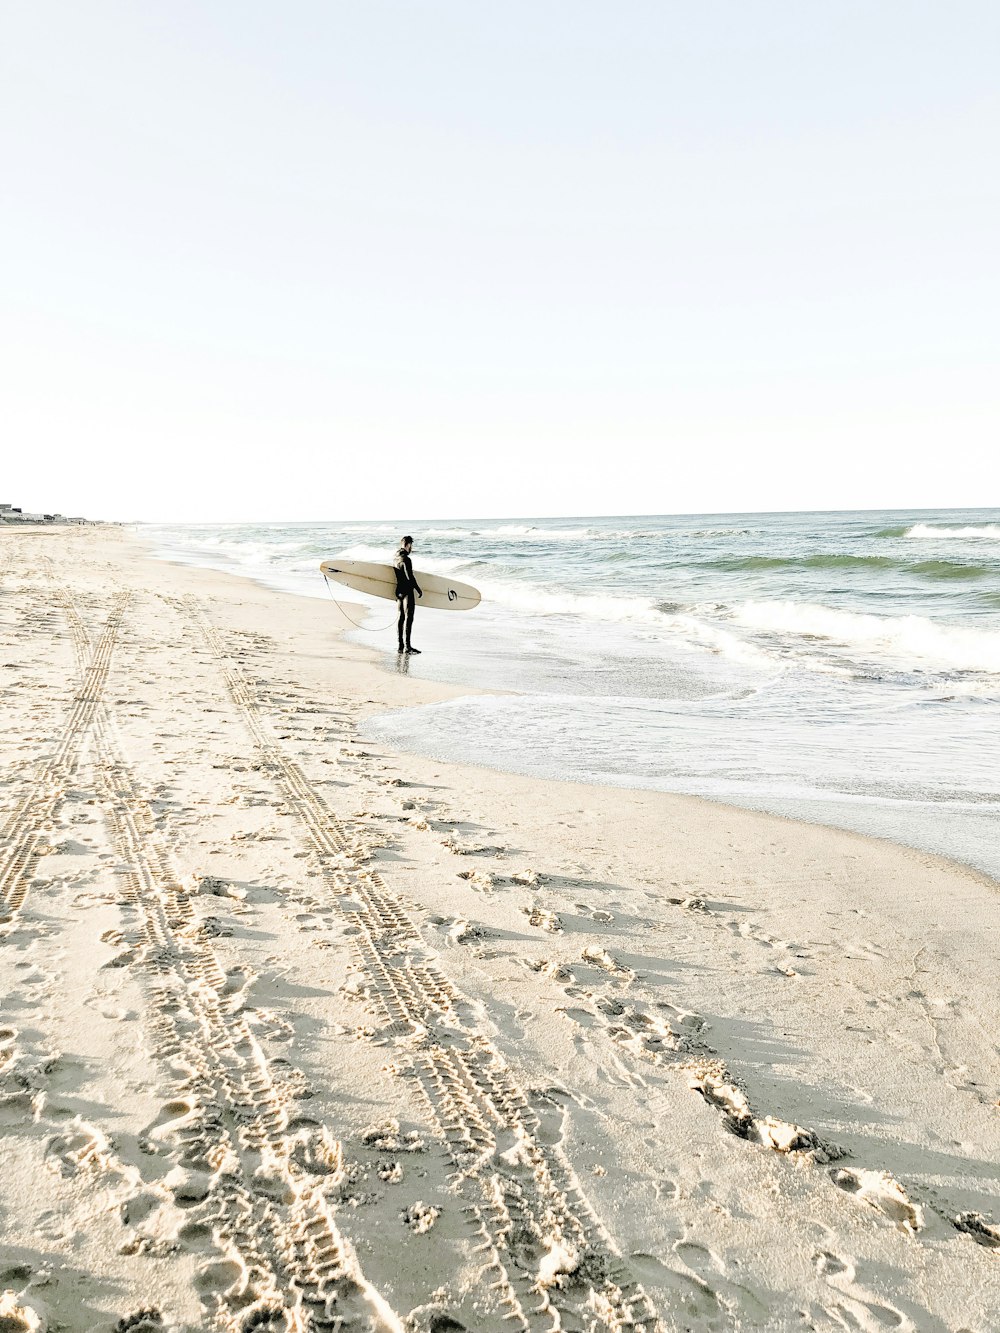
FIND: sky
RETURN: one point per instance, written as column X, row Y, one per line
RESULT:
column 444, row 258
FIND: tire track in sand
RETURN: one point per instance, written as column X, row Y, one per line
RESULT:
column 554, row 1265
column 21, row 832
column 251, row 1180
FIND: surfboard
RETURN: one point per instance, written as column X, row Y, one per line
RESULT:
column 440, row 592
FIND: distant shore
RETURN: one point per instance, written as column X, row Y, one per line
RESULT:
column 292, row 1023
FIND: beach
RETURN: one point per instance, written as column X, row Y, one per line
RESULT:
column 303, row 1032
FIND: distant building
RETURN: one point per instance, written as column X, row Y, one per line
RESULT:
column 13, row 514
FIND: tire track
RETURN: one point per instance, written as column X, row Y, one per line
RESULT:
column 554, row 1265
column 258, row 1178
column 22, row 829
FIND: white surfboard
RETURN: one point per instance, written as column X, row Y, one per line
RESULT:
column 440, row 592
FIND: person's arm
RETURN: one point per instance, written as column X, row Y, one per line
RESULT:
column 412, row 577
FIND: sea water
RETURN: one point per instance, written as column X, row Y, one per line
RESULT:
column 838, row 667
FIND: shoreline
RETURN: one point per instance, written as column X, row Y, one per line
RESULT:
column 378, row 658
column 289, row 1017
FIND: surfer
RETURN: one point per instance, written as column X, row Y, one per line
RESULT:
column 406, row 586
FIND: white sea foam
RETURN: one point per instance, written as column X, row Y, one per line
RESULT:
column 527, row 532
column 688, row 630
column 691, row 631
column 240, row 550
column 552, row 602
column 544, row 534
column 383, row 555
column 715, row 532
column 909, row 640
column 520, row 595
column 716, row 628
column 931, row 532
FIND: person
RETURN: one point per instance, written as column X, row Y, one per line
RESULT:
column 406, row 586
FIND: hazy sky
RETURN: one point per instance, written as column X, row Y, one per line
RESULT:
column 417, row 259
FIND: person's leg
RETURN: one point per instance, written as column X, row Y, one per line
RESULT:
column 400, row 622
column 411, row 602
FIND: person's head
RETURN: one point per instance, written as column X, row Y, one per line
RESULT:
column 407, row 544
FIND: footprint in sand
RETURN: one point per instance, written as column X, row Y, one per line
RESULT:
column 542, row 919
column 832, row 1267
column 710, row 1268
column 80, row 1147
column 691, row 1297
column 868, row 1316
column 179, row 1123
column 599, row 957
column 551, row 1107
column 667, row 1189
column 482, row 880
column 188, row 1187
column 582, row 1017
column 458, row 930
column 880, row 1191
column 859, row 1306
column 138, row 1207
column 115, row 1013
column 639, row 1030
column 220, row 1278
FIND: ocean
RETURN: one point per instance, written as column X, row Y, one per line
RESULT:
column 842, row 668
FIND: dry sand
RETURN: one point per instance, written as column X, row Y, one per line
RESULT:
column 300, row 1034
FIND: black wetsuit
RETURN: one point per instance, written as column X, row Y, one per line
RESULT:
column 406, row 587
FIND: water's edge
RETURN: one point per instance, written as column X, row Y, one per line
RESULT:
column 384, row 727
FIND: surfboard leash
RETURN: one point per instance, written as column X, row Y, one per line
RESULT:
column 368, row 629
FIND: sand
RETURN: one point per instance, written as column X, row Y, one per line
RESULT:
column 298, row 1033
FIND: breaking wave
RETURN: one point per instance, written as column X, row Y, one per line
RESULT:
column 945, row 532
column 908, row 639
